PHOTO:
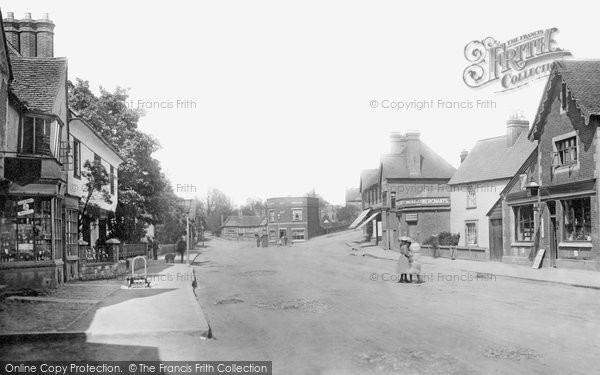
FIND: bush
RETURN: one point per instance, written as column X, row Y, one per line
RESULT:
column 443, row 239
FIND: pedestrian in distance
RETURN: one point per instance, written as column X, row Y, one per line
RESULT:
column 181, row 247
column 257, row 239
column 155, row 249
column 415, row 262
column 403, row 265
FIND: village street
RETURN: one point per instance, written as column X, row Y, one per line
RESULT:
column 315, row 308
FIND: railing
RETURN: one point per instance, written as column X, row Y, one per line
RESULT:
column 96, row 254
column 131, row 250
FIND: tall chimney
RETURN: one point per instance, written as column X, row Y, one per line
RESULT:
column 515, row 125
column 413, row 156
column 45, row 36
column 397, row 143
column 27, row 43
column 463, row 155
column 11, row 29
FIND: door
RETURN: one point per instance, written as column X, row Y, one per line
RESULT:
column 553, row 242
column 496, row 245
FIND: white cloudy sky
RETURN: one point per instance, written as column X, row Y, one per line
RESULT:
column 283, row 88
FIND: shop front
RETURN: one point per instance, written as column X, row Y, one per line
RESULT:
column 423, row 217
column 31, row 239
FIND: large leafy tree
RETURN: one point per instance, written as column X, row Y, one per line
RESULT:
column 145, row 194
column 95, row 187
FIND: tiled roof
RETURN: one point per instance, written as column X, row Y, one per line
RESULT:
column 491, row 159
column 583, row 82
column 431, row 165
column 37, row 80
column 245, row 221
column 368, row 178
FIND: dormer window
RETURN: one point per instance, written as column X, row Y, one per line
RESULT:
column 564, row 100
column 39, row 136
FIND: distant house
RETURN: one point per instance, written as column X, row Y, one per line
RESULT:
column 476, row 207
column 353, row 197
column 244, row 227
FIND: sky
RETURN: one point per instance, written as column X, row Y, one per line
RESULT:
column 272, row 98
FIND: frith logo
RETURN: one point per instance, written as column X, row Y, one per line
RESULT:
column 514, row 63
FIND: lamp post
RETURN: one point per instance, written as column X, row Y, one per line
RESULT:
column 533, row 189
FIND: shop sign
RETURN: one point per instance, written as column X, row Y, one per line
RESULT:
column 25, row 201
column 442, row 201
column 26, row 212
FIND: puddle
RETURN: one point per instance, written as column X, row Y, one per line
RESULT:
column 258, row 273
column 299, row 304
column 228, row 301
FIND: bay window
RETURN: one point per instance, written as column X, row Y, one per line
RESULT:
column 39, row 136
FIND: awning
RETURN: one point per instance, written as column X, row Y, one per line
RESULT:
column 33, row 189
column 369, row 219
column 360, row 218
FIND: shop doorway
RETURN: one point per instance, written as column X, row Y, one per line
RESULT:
column 496, row 243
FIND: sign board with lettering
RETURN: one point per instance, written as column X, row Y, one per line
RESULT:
column 440, row 201
column 25, row 201
column 537, row 262
column 26, row 212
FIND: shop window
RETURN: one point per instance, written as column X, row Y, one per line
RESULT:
column 524, row 223
column 471, row 233
column 297, row 214
column 71, row 230
column 26, row 236
column 577, row 219
column 471, row 197
column 298, row 234
column 39, row 136
column 565, row 152
column 393, row 199
column 272, row 234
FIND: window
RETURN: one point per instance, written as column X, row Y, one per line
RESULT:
column 566, row 152
column 471, row 197
column 523, row 181
column 271, row 216
column 524, row 223
column 297, row 214
column 298, row 234
column 393, row 199
column 272, row 234
column 471, row 233
column 76, row 158
column 577, row 219
column 71, row 231
column 39, row 136
column 564, row 100
column 97, row 159
column 112, row 179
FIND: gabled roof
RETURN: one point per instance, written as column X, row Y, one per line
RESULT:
column 431, row 165
column 368, row 178
column 582, row 78
column 531, row 160
column 37, row 81
column 491, row 159
column 245, row 221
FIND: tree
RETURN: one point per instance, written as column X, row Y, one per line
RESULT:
column 145, row 194
column 217, row 205
column 254, row 207
column 313, row 194
column 347, row 213
column 97, row 179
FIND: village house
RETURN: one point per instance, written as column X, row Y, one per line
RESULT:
column 33, row 154
column 296, row 218
column 553, row 202
column 353, row 197
column 407, row 195
column 238, row 227
column 476, row 206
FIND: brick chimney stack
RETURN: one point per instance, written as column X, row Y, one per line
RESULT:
column 515, row 125
column 413, row 156
column 397, row 143
column 32, row 38
column 463, row 155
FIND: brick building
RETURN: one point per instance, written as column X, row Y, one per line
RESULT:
column 476, row 207
column 295, row 217
column 407, row 194
column 562, row 215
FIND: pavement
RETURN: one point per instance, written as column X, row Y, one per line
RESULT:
column 168, row 307
column 573, row 277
